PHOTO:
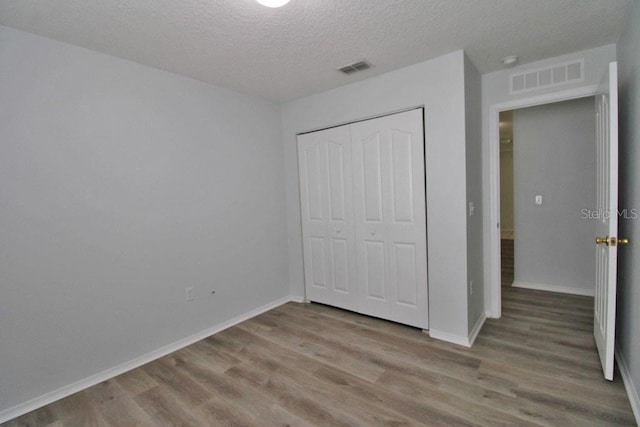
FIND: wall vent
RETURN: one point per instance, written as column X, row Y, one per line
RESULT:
column 355, row 67
column 543, row 78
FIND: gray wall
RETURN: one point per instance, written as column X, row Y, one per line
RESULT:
column 438, row 85
column 120, row 185
column 628, row 327
column 473, row 136
column 506, row 189
column 555, row 156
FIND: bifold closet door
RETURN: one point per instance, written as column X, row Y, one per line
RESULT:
column 326, row 194
column 390, row 217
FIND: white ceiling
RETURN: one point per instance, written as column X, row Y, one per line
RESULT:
column 283, row 54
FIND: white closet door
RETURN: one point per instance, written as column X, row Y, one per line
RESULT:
column 390, row 217
column 326, row 193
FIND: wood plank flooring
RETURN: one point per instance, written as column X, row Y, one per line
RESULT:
column 312, row 365
column 506, row 261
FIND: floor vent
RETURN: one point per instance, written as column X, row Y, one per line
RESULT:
column 543, row 78
column 355, row 67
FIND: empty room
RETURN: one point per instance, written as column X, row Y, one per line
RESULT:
column 292, row 213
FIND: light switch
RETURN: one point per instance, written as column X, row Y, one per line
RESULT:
column 538, row 200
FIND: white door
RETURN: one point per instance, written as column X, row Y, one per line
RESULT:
column 607, row 227
column 326, row 193
column 390, row 218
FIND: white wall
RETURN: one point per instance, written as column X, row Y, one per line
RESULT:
column 473, row 136
column 495, row 92
column 437, row 84
column 120, row 185
column 555, row 156
column 628, row 325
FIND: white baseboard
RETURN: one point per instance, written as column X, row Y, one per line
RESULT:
column 476, row 329
column 296, row 298
column 47, row 398
column 459, row 339
column 632, row 392
column 489, row 315
column 454, row 339
column 554, row 288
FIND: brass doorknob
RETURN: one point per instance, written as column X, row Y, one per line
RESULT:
column 611, row 241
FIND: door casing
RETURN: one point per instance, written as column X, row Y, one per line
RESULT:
column 493, row 298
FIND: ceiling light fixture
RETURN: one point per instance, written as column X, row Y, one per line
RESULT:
column 273, row 3
column 509, row 61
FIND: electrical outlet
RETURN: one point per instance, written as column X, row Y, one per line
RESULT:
column 472, row 208
column 188, row 294
column 538, row 200
column 470, row 287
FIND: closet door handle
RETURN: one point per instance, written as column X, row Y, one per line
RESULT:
column 338, row 230
column 373, row 232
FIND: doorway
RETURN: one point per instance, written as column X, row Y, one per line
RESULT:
column 494, row 303
column 604, row 222
column 507, row 229
column 547, row 180
column 363, row 211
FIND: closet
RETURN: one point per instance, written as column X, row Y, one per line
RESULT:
column 362, row 196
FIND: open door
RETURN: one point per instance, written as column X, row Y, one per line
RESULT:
column 604, row 318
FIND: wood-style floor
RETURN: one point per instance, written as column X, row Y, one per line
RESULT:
column 308, row 364
column 507, row 261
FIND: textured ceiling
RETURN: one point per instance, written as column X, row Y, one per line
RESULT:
column 283, row 54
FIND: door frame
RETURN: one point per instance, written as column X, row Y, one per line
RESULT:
column 493, row 303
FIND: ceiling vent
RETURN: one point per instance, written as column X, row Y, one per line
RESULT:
column 543, row 78
column 355, row 67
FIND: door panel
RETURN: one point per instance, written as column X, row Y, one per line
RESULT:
column 372, row 178
column 389, row 208
column 405, row 274
column 317, row 264
column 326, row 195
column 401, row 175
column 607, row 225
column 336, row 181
column 341, row 268
column 374, row 270
column 313, row 182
